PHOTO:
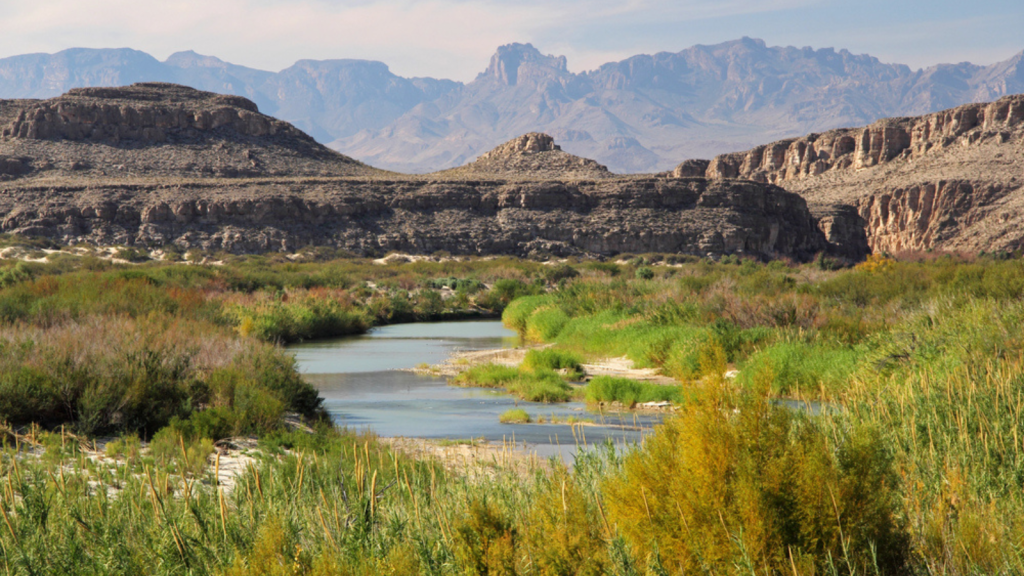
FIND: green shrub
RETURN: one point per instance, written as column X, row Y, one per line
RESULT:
column 554, row 359
column 630, row 392
column 126, row 447
column 545, row 323
column 561, row 272
column 487, row 376
column 515, row 416
column 761, row 486
column 517, row 314
column 797, row 365
column 183, row 455
column 540, row 386
column 467, row 285
column 536, row 386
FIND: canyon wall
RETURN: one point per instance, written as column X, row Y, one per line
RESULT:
column 596, row 218
column 949, row 180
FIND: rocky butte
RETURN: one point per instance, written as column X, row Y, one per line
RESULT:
column 159, row 164
column 948, row 181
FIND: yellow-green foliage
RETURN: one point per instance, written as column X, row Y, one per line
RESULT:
column 630, row 392
column 565, row 530
column 957, row 434
column 541, row 385
column 486, row 541
column 515, row 416
column 760, row 486
column 517, row 314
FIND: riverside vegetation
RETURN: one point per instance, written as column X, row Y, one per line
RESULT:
column 914, row 464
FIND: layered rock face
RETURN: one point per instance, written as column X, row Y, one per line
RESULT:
column 606, row 217
column 949, row 181
column 157, row 164
column 158, row 129
column 882, row 142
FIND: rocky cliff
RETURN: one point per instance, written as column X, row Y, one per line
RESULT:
column 949, row 180
column 605, row 217
column 136, row 166
column 156, row 130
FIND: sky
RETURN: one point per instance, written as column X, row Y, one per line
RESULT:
column 456, row 38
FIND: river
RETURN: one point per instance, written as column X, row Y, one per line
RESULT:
column 366, row 385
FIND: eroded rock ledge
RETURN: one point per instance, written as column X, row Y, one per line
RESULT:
column 878, row 143
column 952, row 180
column 601, row 217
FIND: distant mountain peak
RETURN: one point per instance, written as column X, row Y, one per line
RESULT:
column 192, row 59
column 509, row 58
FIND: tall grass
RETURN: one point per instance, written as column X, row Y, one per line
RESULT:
column 113, row 374
column 542, row 385
column 631, row 392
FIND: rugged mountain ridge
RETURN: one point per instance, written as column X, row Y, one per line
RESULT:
column 950, row 180
column 136, row 165
column 646, row 112
column 638, row 115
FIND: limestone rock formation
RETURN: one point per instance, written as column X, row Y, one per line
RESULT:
column 154, row 129
column 531, row 156
column 882, row 142
column 951, row 180
column 157, row 164
column 602, row 217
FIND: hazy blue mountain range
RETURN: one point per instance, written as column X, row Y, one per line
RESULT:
column 645, row 113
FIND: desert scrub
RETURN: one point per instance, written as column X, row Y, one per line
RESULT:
column 515, row 416
column 299, row 316
column 113, row 374
column 630, row 392
column 761, row 487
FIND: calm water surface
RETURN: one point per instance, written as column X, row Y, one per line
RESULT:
column 365, row 386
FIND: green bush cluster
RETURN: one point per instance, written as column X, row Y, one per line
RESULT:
column 120, row 375
column 554, row 359
column 541, row 385
column 468, row 285
column 297, row 319
column 629, row 392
